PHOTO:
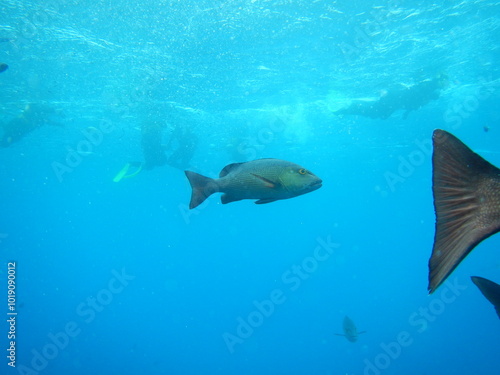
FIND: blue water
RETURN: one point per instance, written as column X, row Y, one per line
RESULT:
column 121, row 278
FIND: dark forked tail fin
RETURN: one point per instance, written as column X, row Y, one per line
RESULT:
column 202, row 188
column 467, row 203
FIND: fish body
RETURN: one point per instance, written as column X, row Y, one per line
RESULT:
column 490, row 290
column 3, row 67
column 350, row 331
column 466, row 191
column 266, row 180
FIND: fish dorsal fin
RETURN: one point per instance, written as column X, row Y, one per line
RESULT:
column 228, row 169
column 490, row 290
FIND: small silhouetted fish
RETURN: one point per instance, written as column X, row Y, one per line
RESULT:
column 350, row 331
column 267, row 180
column 490, row 290
column 3, row 40
column 467, row 203
column 3, row 67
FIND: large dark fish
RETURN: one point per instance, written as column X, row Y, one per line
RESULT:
column 350, row 331
column 490, row 290
column 267, row 180
column 467, row 203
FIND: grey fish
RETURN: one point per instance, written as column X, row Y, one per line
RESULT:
column 490, row 290
column 267, row 180
column 350, row 331
column 466, row 192
column 3, row 67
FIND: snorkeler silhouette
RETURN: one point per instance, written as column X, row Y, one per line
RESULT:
column 154, row 151
column 186, row 144
column 400, row 98
column 152, row 148
column 34, row 116
column 3, row 66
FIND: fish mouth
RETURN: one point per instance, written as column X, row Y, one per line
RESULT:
column 315, row 185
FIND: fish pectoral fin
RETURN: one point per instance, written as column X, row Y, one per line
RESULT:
column 268, row 183
column 266, row 200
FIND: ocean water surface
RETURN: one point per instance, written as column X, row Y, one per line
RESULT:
column 123, row 278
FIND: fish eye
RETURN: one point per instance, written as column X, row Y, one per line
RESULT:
column 302, row 171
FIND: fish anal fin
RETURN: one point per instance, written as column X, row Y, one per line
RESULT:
column 228, row 198
column 466, row 192
column 264, row 201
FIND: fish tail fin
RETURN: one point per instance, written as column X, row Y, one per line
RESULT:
column 202, row 188
column 490, row 290
column 466, row 189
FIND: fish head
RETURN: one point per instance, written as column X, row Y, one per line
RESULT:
column 298, row 180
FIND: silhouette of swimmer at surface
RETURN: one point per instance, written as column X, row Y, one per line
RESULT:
column 401, row 98
column 182, row 141
column 34, row 116
column 186, row 143
column 154, row 151
column 152, row 148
